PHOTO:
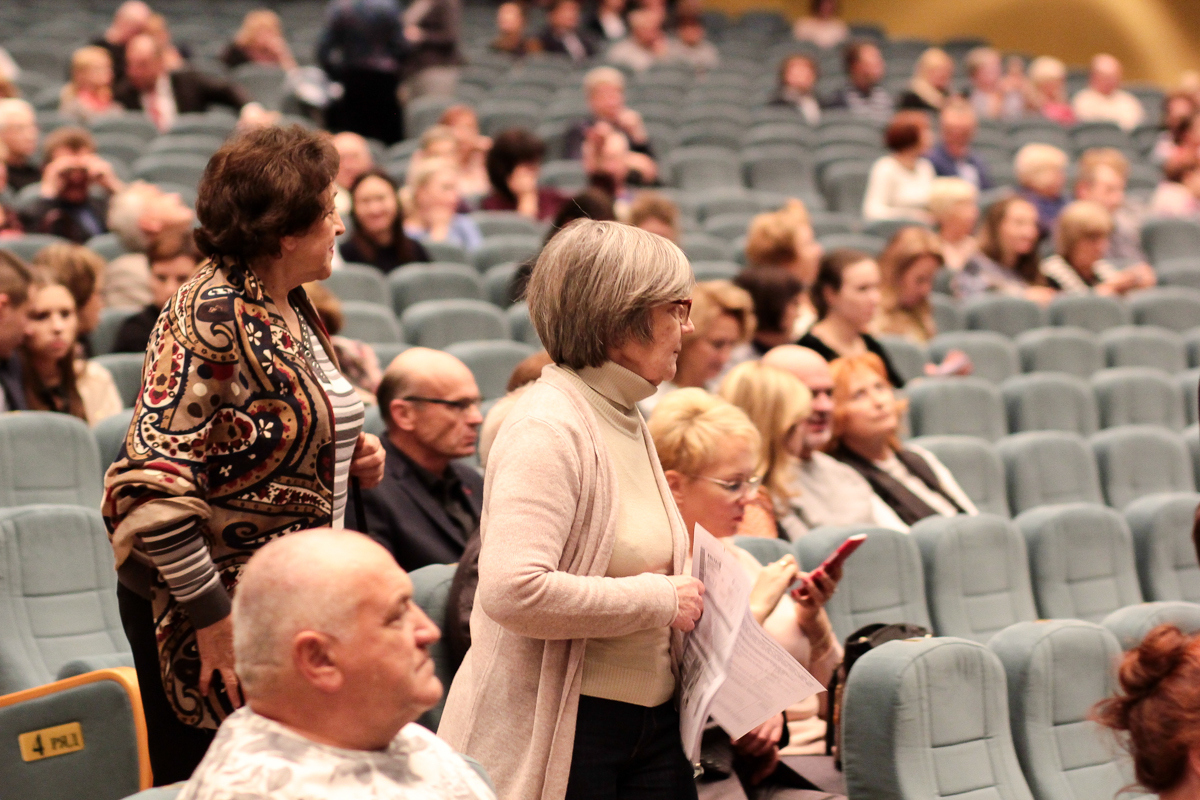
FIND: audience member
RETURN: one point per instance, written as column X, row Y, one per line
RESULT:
column 174, row 58
column 19, row 134
column 173, row 261
column 865, row 95
column 657, row 213
column 785, row 239
column 471, row 149
column 990, row 94
column 1178, row 111
column 128, row 21
column 81, row 271
column 15, row 282
column 1041, row 171
column 846, row 295
column 356, row 360
column 432, row 202
column 1078, row 265
column 866, row 420
column 822, row 27
column 954, row 207
column 354, row 158
column 437, row 142
column 514, row 164
column 952, row 156
column 428, row 505
column 333, row 656
column 691, row 46
column 605, row 91
column 54, row 378
column 510, row 31
column 89, row 95
column 1048, row 90
column 607, row 24
column 164, row 95
column 1156, row 712
column 1104, row 100
column 646, row 44
column 139, row 216
column 11, row 225
column 907, row 266
column 1007, row 261
column 778, row 404
column 797, row 87
column 777, row 296
column 899, row 182
column 1178, row 193
column 75, row 188
column 1100, row 176
column 431, row 30
column 709, row 451
column 607, row 162
column 722, row 320
column 930, row 86
column 260, row 40
column 362, row 48
column 377, row 235
column 562, row 34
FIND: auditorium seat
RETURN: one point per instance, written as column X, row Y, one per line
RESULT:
column 416, row 283
column 1091, row 312
column 699, row 246
column 1003, row 314
column 1138, row 396
column 110, row 436
column 361, row 282
column 369, row 322
column 1191, row 342
column 28, row 475
column 993, row 355
column 503, row 223
column 105, row 333
column 447, row 253
column 431, row 592
column 1080, row 560
column 1164, row 238
column 715, row 270
column 882, row 581
column 765, row 550
column 1050, row 401
column 976, row 574
column 439, row 323
column 186, row 169
column 491, row 362
column 27, row 245
column 498, row 283
column 1191, row 440
column 844, row 183
column 509, row 247
column 126, row 370
column 1048, row 467
column 1136, row 460
column 702, row 167
column 1189, row 387
column 1060, row 349
column 1131, row 624
column 1144, row 346
column 947, row 314
column 907, row 356
column 1161, row 525
column 522, row 328
column 1057, row 671
column 1175, row 308
column 975, row 465
column 928, row 718
column 957, row 406
column 107, row 245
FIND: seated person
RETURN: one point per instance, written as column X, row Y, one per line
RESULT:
column 691, row 47
column 427, row 507
column 823, row 27
column 930, row 86
column 1041, row 171
column 608, row 24
column 657, row 213
column 149, row 86
column 356, row 360
column 510, row 32
column 354, row 158
column 174, row 58
column 89, row 94
column 952, row 156
column 992, row 94
column 1007, row 261
column 139, row 216
column 907, row 266
column 173, row 260
column 332, row 655
column 866, row 420
column 1101, row 176
column 15, row 283
column 1078, row 265
column 777, row 296
column 260, row 40
column 1048, row 90
column 605, row 91
column 432, row 203
column 785, row 239
column 710, row 453
column 898, row 185
column 19, row 135
column 954, row 207
column 1178, row 193
column 865, row 95
column 646, row 44
column 81, row 270
column 612, row 168
column 1180, row 127
column 10, row 221
column 377, row 234
column 67, row 206
column 513, row 166
column 797, row 87
column 846, row 295
column 470, row 151
column 562, row 33
column 130, row 19
column 1103, row 100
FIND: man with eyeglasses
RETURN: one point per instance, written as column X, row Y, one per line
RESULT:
column 427, row 507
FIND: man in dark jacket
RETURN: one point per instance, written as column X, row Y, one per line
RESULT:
column 165, row 95
column 562, row 34
column 428, row 506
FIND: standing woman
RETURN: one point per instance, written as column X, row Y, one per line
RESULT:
column 244, row 431
column 567, row 690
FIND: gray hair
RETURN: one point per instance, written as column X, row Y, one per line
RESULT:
column 125, row 213
column 11, row 107
column 595, row 284
column 603, row 76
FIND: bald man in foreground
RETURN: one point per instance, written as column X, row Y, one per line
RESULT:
column 428, row 506
column 830, row 492
column 333, row 658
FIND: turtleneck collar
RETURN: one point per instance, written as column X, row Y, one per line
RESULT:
column 614, row 392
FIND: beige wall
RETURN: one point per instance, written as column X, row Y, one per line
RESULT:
column 1156, row 39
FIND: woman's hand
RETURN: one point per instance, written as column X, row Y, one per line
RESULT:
column 811, row 596
column 769, row 586
column 215, row 643
column 368, row 461
column 689, row 599
column 762, row 745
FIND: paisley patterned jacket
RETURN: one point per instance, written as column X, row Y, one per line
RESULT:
column 231, row 445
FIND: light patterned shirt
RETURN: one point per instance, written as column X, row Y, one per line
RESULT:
column 254, row 757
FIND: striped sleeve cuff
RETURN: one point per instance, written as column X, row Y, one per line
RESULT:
column 182, row 558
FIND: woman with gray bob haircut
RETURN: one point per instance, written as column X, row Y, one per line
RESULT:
column 567, row 690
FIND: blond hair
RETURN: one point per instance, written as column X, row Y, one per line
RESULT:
column 603, row 76
column 930, row 60
column 1097, row 157
column 90, row 56
column 772, row 239
column 711, row 299
column 1044, row 69
column 654, row 205
column 1080, row 220
column 907, row 246
column 775, row 401
column 256, row 22
column 1036, row 158
column 946, row 193
column 691, row 428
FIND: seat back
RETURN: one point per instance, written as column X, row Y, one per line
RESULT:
column 976, row 574
column 1003, row 314
column 882, row 581
column 956, row 406
column 58, row 597
column 110, row 436
column 1161, row 525
column 28, row 476
column 1080, row 560
column 975, row 465
column 1144, row 346
column 1131, row 624
column 993, row 355
column 104, row 336
column 1057, row 671
column 1175, row 308
column 1166, row 237
column 1070, row 350
column 1091, row 312
column 765, row 550
column 906, row 356
column 440, row 323
column 416, row 283
column 431, row 592
column 369, row 322
column 126, row 371
column 522, row 327
column 928, row 718
column 491, row 362
column 1138, row 396
column 1048, row 467
column 1049, row 401
column 1137, row 460
column 361, row 282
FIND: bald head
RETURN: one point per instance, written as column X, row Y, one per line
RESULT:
column 129, row 20
column 813, row 371
column 802, row 362
column 430, row 402
column 1105, row 73
column 354, row 157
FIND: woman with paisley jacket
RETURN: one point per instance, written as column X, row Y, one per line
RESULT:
column 244, row 431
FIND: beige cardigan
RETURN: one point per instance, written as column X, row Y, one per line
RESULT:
column 548, row 527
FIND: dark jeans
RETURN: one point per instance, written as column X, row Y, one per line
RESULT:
column 175, row 748
column 369, row 106
column 628, row 752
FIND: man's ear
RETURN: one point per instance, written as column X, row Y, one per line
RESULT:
column 313, row 660
column 400, row 414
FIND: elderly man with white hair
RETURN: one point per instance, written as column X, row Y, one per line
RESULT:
column 130, row 19
column 605, row 91
column 19, row 135
column 333, row 657
column 139, row 216
column 1104, row 100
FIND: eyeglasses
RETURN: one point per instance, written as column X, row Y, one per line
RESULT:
column 682, row 309
column 461, row 406
column 737, row 488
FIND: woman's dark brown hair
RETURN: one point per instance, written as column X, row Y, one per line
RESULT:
column 1158, row 706
column 64, row 397
column 405, row 248
column 904, row 131
column 511, row 149
column 261, row 186
column 75, row 267
column 989, row 244
column 829, row 276
column 772, row 289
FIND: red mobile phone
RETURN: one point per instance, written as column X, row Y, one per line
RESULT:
column 836, row 559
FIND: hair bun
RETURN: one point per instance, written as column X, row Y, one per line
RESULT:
column 1160, row 653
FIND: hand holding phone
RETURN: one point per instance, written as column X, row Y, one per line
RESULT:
column 830, row 564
